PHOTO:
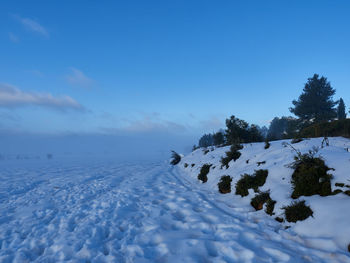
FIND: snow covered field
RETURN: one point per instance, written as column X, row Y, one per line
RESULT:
column 109, row 212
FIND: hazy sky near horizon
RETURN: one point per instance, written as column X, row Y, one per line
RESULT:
column 178, row 67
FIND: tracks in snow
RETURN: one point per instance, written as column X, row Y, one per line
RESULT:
column 129, row 213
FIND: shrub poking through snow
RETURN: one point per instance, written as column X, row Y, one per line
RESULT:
column 339, row 184
column 251, row 182
column 347, row 192
column 336, row 191
column 233, row 154
column 259, row 200
column 192, row 165
column 225, row 184
column 186, row 165
column 296, row 140
column 310, row 176
column 270, row 206
column 279, row 219
column 203, row 173
column 267, row 145
column 261, row 163
column 176, row 158
column 297, row 211
column 205, row 151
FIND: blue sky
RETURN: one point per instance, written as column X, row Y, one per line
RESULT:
column 182, row 67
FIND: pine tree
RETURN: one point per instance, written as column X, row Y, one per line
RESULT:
column 236, row 130
column 315, row 104
column 218, row 138
column 206, row 140
column 341, row 110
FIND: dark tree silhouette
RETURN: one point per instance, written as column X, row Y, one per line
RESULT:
column 218, row 138
column 341, row 110
column 315, row 104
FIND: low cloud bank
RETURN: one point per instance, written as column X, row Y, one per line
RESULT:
column 132, row 147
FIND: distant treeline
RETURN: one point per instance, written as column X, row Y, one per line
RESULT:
column 317, row 115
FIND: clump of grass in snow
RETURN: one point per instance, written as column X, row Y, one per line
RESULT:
column 297, row 211
column 233, row 154
column 225, row 184
column 251, row 182
column 203, row 173
column 176, row 158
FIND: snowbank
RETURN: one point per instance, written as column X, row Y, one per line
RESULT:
column 328, row 229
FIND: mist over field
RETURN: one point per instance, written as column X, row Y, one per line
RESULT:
column 122, row 147
column 174, row 131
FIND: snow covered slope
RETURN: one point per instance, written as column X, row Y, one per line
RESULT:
column 122, row 212
column 328, row 229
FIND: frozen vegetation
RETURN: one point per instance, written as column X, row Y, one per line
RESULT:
column 54, row 211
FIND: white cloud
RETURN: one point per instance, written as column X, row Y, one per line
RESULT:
column 32, row 25
column 77, row 78
column 12, row 97
column 13, row 38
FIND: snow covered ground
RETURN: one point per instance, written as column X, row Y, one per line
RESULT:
column 54, row 211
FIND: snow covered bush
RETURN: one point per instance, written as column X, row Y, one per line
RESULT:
column 310, row 176
column 233, row 154
column 203, row 173
column 297, row 211
column 251, row 182
column 176, row 158
column 225, row 184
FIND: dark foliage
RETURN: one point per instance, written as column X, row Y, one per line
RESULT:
column 192, row 165
column 347, row 192
column 339, row 184
column 296, row 140
column 225, row 184
column 330, row 129
column 341, row 114
column 205, row 151
column 336, row 191
column 233, row 154
column 203, row 173
column 315, row 104
column 310, row 176
column 206, row 140
column 251, row 182
column 297, row 211
column 270, row 206
column 186, row 165
column 259, row 200
column 279, row 219
column 267, row 145
column 283, row 128
column 218, row 138
column 261, row 163
column 239, row 131
column 176, row 158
